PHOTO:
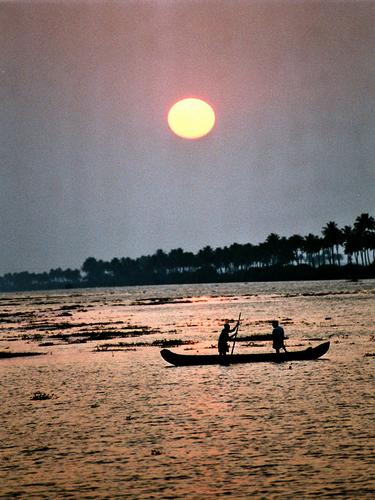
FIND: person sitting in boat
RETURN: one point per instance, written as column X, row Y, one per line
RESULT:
column 224, row 338
column 278, row 337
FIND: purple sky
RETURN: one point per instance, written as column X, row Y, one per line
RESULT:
column 89, row 166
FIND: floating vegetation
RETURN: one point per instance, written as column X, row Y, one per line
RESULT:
column 284, row 321
column 157, row 301
column 8, row 354
column 370, row 355
column 86, row 332
column 42, row 396
column 37, row 337
column 39, row 449
column 55, row 326
column 11, row 317
column 124, row 346
column 172, row 342
column 72, row 306
column 156, row 451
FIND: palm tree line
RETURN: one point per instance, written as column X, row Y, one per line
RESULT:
column 355, row 241
column 278, row 256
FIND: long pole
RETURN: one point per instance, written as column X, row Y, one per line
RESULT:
column 235, row 335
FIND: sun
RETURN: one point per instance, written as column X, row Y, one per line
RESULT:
column 191, row 118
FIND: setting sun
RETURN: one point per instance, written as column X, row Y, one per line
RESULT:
column 191, row 118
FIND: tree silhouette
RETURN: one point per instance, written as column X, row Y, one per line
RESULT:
column 364, row 226
column 94, row 270
column 350, row 243
column 206, row 256
column 333, row 237
column 271, row 248
column 312, row 245
column 291, row 257
column 296, row 245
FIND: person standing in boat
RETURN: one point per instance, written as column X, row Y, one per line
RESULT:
column 225, row 336
column 278, row 337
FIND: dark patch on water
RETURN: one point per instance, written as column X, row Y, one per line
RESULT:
column 9, row 354
column 118, row 346
column 157, row 301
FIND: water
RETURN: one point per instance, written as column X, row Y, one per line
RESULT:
column 120, row 423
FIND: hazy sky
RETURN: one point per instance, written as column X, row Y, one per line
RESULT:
column 89, row 166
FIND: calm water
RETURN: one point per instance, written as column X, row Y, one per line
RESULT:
column 122, row 424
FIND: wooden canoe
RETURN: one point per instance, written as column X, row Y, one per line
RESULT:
column 214, row 359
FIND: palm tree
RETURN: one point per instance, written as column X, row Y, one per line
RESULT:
column 160, row 260
column 264, row 256
column 350, row 244
column 364, row 225
column 296, row 245
column 285, row 254
column 312, row 245
column 371, row 244
column 94, row 270
column 221, row 260
column 258, row 255
column 272, row 248
column 206, row 256
column 176, row 259
column 237, row 256
column 249, row 255
column 333, row 238
column 189, row 261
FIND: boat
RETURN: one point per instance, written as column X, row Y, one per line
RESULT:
column 230, row 359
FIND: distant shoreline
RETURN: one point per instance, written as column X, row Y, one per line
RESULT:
column 346, row 253
column 350, row 272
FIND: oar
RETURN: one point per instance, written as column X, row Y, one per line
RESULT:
column 235, row 335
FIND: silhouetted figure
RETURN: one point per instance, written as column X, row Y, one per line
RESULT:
column 278, row 337
column 224, row 338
